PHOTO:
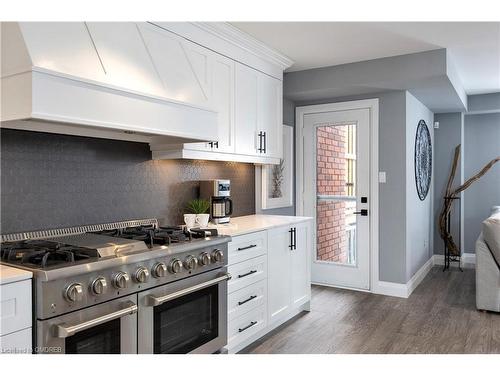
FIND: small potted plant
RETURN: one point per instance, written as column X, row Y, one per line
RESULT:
column 198, row 213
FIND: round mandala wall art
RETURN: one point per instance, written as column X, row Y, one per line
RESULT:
column 423, row 160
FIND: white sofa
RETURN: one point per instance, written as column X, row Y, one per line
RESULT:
column 488, row 264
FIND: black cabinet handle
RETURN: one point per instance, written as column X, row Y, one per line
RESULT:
column 260, row 149
column 248, row 326
column 247, row 300
column 216, row 144
column 293, row 239
column 265, row 142
column 247, row 274
column 246, row 247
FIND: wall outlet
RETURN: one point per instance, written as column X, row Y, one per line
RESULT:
column 436, row 124
column 382, row 178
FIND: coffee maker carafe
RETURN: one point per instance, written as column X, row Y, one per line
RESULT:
column 218, row 193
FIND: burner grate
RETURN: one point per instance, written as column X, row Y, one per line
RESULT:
column 77, row 230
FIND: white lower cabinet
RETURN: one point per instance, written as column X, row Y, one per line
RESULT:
column 288, row 271
column 270, row 282
column 246, row 299
column 17, row 342
column 243, row 329
column 15, row 317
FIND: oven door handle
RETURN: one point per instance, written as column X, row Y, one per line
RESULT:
column 63, row 330
column 152, row 300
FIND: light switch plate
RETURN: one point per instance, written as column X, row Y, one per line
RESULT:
column 436, row 124
column 382, row 177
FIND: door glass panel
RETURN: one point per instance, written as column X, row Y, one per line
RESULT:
column 102, row 339
column 187, row 322
column 336, row 193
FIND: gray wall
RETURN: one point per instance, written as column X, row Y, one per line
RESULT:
column 446, row 138
column 419, row 221
column 428, row 75
column 392, row 198
column 482, row 143
column 484, row 102
column 52, row 181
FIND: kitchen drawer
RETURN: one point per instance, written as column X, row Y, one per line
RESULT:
column 247, row 273
column 247, row 246
column 245, row 326
column 16, row 343
column 15, row 307
column 246, row 299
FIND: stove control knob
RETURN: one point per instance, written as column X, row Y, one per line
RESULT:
column 99, row 286
column 74, row 292
column 190, row 262
column 204, row 259
column 175, row 266
column 120, row 280
column 141, row 275
column 217, row 256
column 159, row 270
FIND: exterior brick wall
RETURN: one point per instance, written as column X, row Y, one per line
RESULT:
column 331, row 180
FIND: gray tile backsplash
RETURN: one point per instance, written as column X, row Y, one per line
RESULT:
column 54, row 181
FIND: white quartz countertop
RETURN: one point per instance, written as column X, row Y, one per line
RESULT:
column 254, row 223
column 11, row 274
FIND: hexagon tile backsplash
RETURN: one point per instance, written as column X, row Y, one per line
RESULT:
column 55, row 181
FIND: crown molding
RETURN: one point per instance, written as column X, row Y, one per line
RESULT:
column 244, row 41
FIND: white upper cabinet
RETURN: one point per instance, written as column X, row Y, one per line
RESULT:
column 258, row 113
column 221, row 99
column 270, row 114
column 246, row 107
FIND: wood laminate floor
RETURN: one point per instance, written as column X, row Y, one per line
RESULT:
column 439, row 317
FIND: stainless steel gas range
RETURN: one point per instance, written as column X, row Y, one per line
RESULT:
column 126, row 287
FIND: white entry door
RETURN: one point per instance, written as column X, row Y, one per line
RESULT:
column 336, row 192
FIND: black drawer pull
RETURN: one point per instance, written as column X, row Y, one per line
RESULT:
column 246, row 247
column 247, row 300
column 247, row 274
column 248, row 326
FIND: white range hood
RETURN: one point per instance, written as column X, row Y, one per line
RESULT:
column 106, row 80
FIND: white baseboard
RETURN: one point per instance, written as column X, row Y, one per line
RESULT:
column 419, row 276
column 404, row 290
column 468, row 260
column 390, row 289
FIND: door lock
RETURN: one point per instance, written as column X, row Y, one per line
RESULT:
column 363, row 212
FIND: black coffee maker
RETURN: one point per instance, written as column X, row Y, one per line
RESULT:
column 218, row 193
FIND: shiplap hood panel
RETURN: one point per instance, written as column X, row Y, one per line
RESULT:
column 109, row 80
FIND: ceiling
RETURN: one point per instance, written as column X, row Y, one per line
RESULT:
column 473, row 46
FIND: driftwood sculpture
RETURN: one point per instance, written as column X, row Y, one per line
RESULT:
column 443, row 217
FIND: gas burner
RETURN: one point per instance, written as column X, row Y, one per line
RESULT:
column 168, row 235
column 43, row 253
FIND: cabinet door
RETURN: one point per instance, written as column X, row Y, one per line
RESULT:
column 300, row 266
column 279, row 288
column 222, row 101
column 270, row 104
column 246, row 85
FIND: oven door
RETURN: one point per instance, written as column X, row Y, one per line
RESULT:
column 108, row 328
column 185, row 316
